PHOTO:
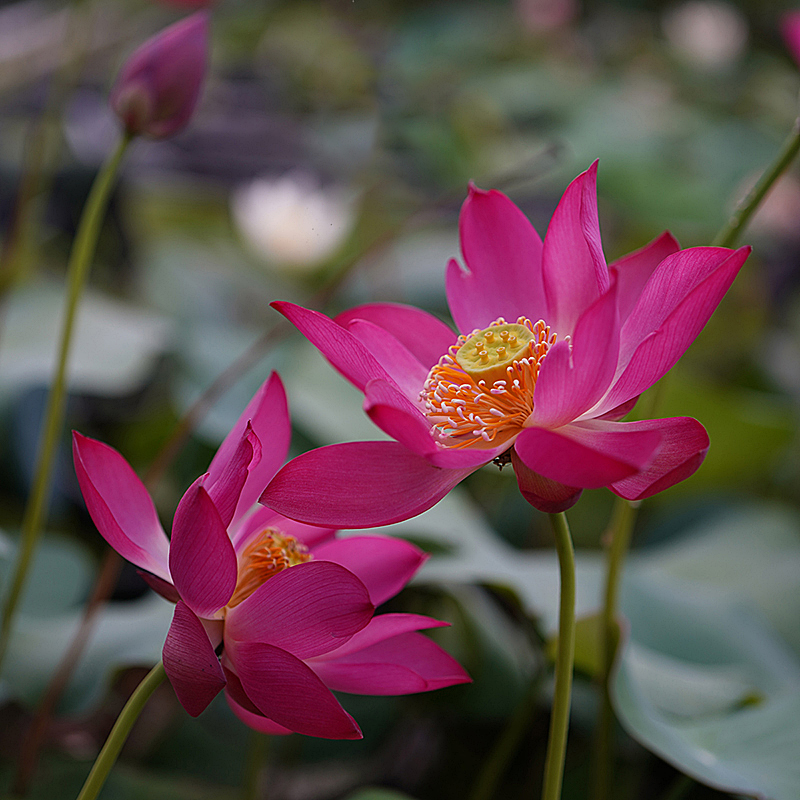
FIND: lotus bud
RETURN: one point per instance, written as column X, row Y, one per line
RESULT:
column 157, row 89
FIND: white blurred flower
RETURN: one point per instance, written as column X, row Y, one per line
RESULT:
column 292, row 221
column 708, row 34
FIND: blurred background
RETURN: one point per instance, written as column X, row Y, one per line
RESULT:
column 326, row 164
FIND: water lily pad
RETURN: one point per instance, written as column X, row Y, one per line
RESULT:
column 114, row 345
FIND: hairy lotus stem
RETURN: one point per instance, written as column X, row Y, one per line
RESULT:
column 565, row 655
column 119, row 733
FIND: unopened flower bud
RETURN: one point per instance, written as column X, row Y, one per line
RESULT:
column 157, row 89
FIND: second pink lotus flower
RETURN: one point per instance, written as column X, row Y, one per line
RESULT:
column 555, row 348
column 274, row 612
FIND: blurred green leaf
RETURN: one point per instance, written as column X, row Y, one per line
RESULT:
column 114, row 349
column 124, row 633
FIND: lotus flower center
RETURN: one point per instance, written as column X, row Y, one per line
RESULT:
column 480, row 394
column 269, row 553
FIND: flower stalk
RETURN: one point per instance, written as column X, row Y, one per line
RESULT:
column 565, row 655
column 747, row 207
column 80, row 261
column 619, row 542
column 624, row 516
column 119, row 733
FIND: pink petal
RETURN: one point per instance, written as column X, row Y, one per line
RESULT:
column 120, row 506
column 263, row 517
column 268, row 416
column 190, row 662
column 396, row 415
column 589, row 454
column 225, row 487
column 573, row 265
column 307, row 609
column 575, row 375
column 406, row 369
column 345, row 353
column 675, row 305
column 287, row 691
column 542, row 493
column 380, row 628
column 384, row 564
column 404, row 664
column 620, row 411
column 246, row 711
column 359, row 485
column 683, row 447
column 160, row 586
column 503, row 254
column 427, row 337
column 201, row 557
column 634, row 270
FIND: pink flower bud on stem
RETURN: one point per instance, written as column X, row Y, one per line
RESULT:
column 157, row 89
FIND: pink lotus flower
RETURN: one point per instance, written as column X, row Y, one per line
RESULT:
column 545, row 390
column 157, row 89
column 288, row 606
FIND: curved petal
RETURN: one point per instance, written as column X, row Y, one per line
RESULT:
column 427, row 337
column 380, row 628
column 404, row 664
column 405, row 368
column 669, row 315
column 396, row 415
column 268, row 416
column 120, row 506
column 684, row 445
column 346, row 354
column 225, row 486
column 263, row 517
column 160, row 586
column 573, row 376
column 503, row 254
column 573, row 265
column 254, row 718
column 384, row 564
column 190, row 662
column 201, row 557
column 287, row 691
column 306, row 610
column 542, row 493
column 589, row 454
column 701, row 275
column 634, row 270
column 359, row 485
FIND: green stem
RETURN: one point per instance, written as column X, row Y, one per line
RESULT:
column 119, row 733
column 565, row 655
column 729, row 234
column 620, row 536
column 256, row 755
column 80, row 260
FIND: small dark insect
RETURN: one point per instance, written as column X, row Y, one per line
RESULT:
column 503, row 459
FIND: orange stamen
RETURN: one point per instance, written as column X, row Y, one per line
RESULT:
column 267, row 554
column 480, row 404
